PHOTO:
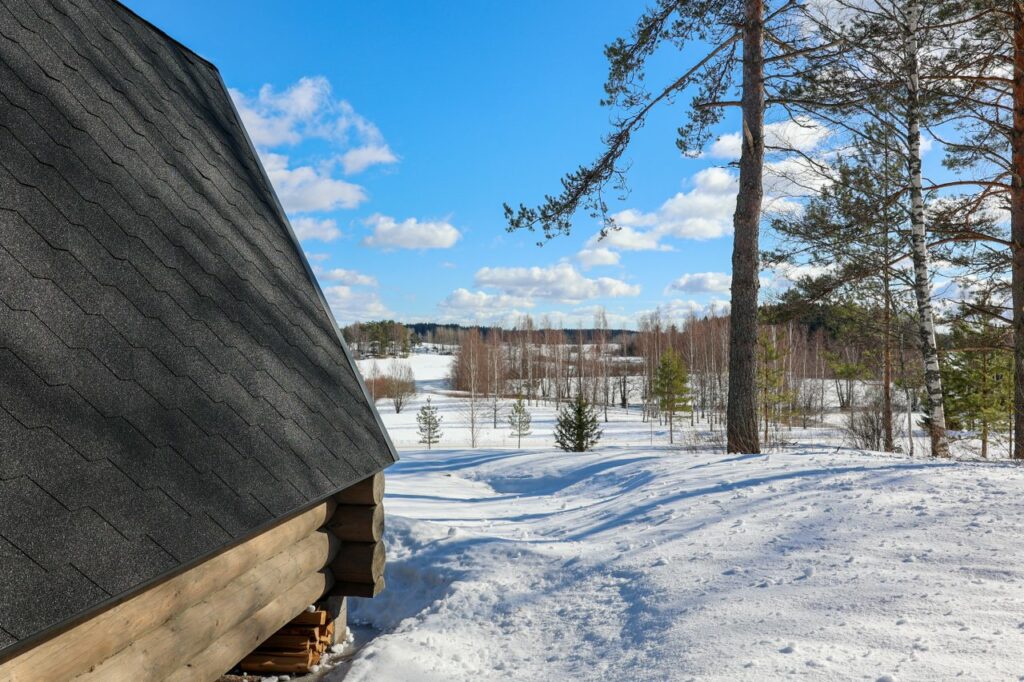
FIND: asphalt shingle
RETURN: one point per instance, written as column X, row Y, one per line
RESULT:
column 171, row 380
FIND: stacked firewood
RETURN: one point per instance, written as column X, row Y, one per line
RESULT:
column 295, row 648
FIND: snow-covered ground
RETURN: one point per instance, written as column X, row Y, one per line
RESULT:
column 641, row 562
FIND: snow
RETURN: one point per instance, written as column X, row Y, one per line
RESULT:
column 646, row 562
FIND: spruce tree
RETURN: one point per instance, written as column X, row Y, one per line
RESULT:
column 519, row 421
column 577, row 429
column 771, row 379
column 429, row 424
column 671, row 386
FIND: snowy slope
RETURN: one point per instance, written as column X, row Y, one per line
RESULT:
column 648, row 563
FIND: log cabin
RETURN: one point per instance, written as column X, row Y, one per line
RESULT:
column 188, row 456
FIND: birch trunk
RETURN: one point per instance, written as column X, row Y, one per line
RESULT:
column 919, row 247
column 741, row 417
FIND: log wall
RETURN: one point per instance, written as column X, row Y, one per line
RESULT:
column 200, row 623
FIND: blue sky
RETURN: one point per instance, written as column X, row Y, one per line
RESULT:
column 394, row 131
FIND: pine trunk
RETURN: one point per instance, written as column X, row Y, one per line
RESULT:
column 919, row 246
column 741, row 415
column 887, row 443
column 1017, row 229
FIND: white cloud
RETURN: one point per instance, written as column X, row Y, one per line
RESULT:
column 680, row 309
column 704, row 212
column 464, row 299
column 783, row 276
column 701, row 282
column 727, row 147
column 359, row 159
column 592, row 257
column 349, row 277
column 318, row 257
column 410, row 233
column 307, row 110
column 314, row 228
column 278, row 118
column 350, row 305
column 560, row 282
column 626, row 236
column 305, row 188
column 801, row 133
column 791, row 177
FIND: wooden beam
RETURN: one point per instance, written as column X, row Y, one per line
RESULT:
column 348, row 589
column 160, row 651
column 102, row 636
column 367, row 491
column 236, row 643
column 357, row 523
column 359, row 562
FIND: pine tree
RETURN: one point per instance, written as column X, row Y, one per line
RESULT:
column 746, row 53
column 980, row 377
column 577, row 429
column 671, row 386
column 519, row 421
column 429, row 424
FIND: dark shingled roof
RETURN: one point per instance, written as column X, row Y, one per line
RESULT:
column 171, row 380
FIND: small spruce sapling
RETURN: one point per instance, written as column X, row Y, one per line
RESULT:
column 519, row 421
column 577, row 429
column 671, row 386
column 429, row 424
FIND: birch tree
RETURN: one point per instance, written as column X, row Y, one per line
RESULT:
column 877, row 88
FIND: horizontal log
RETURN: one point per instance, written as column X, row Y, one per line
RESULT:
column 160, row 651
column 367, row 491
column 232, row 646
column 357, row 523
column 348, row 589
column 359, row 562
column 90, row 642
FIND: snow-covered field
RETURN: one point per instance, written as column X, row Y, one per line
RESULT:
column 641, row 562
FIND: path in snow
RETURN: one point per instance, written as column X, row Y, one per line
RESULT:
column 642, row 562
column 629, row 564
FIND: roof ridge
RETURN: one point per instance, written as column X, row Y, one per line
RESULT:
column 174, row 41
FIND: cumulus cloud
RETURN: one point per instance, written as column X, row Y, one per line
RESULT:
column 275, row 118
column 704, row 212
column 351, row 305
column 359, row 159
column 592, row 257
column 801, row 133
column 349, row 277
column 701, row 282
column 558, row 282
column 313, row 228
column 680, row 309
column 464, row 299
column 304, row 188
column 411, row 233
column 307, row 110
column 785, row 275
